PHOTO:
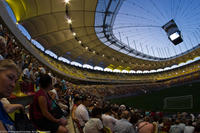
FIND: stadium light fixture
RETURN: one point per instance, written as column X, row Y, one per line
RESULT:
column 174, row 36
column 67, row 1
column 69, row 21
column 173, row 32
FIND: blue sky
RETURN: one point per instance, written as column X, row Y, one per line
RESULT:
column 138, row 24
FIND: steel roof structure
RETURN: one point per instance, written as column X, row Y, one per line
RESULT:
column 82, row 31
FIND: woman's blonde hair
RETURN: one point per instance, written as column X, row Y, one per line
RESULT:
column 8, row 64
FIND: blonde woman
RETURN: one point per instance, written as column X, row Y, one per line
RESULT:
column 8, row 76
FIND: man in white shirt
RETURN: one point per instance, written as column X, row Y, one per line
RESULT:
column 189, row 128
column 123, row 125
column 175, row 128
column 94, row 125
column 108, row 120
column 81, row 112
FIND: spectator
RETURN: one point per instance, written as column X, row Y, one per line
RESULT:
column 77, row 102
column 94, row 125
column 81, row 112
column 57, row 89
column 189, row 128
column 41, row 107
column 108, row 120
column 8, row 77
column 182, row 124
column 123, row 125
column 145, row 126
column 175, row 128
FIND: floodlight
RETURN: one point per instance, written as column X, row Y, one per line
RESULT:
column 174, row 36
column 69, row 21
column 67, row 1
column 173, row 33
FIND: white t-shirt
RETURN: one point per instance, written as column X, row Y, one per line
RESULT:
column 94, row 125
column 182, row 126
column 108, row 121
column 81, row 114
column 189, row 129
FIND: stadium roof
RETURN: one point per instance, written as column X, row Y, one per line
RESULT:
column 123, row 34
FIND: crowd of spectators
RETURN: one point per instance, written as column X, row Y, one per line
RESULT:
column 91, row 114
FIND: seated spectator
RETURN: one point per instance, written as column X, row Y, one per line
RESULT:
column 41, row 107
column 175, row 128
column 145, row 126
column 77, row 102
column 56, row 111
column 81, row 112
column 8, row 77
column 94, row 125
column 108, row 120
column 189, row 128
column 56, row 90
column 166, row 125
column 123, row 125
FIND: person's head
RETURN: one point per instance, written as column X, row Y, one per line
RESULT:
column 57, row 87
column 85, row 101
column 96, row 112
column 52, row 94
column 189, row 122
column 107, row 110
column 77, row 100
column 125, row 115
column 9, row 73
column 147, row 119
column 45, row 82
column 177, row 121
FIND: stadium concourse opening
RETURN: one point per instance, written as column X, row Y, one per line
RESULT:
column 87, row 66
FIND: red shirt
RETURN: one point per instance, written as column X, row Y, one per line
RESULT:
column 37, row 113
